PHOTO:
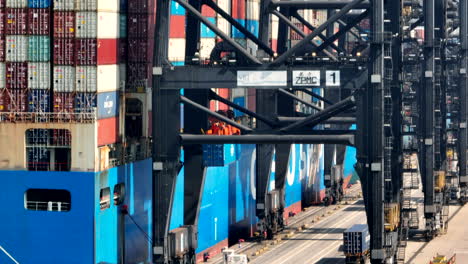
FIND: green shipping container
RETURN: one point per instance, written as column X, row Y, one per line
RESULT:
column 123, row 26
column 39, row 48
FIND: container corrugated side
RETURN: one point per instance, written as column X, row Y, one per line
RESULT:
column 238, row 9
column 97, row 25
column 63, row 5
column 107, row 131
column 38, row 3
column 16, row 75
column 63, row 102
column 39, row 48
column 102, row 78
column 2, row 75
column 138, row 50
column 138, row 26
column 38, row 21
column 16, row 48
column 206, row 46
column 2, row 21
column 136, row 77
column 15, row 100
column 176, row 49
column 38, row 101
column 64, row 51
column 39, row 75
column 17, row 3
column 108, row 104
column 87, row 5
column 64, row 79
column 64, row 24
column 177, row 9
column 177, row 27
column 253, row 7
column 16, row 21
column 206, row 32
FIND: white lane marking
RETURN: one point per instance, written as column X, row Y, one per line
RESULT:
column 333, row 247
column 306, row 245
column 6, row 253
column 299, row 235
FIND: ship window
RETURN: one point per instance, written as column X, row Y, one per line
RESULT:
column 104, row 198
column 119, row 193
column 47, row 200
column 48, row 149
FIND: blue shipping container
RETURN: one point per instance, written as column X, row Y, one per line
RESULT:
column 85, row 102
column 213, row 155
column 38, row 100
column 235, row 32
column 252, row 26
column 208, row 33
column 39, row 3
column 241, row 102
column 177, row 9
column 108, row 104
column 123, row 6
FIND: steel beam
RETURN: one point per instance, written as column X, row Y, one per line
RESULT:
column 200, row 77
column 342, row 31
column 462, row 141
column 321, row 98
column 281, row 59
column 427, row 96
column 188, row 139
column 300, row 32
column 318, row 4
column 322, row 115
column 214, row 114
column 293, row 96
column 331, row 120
column 244, row 110
column 312, row 28
column 218, row 32
column 166, row 145
column 239, row 26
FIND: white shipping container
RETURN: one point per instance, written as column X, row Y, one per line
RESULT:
column 86, row 79
column 87, row 5
column 274, row 29
column 97, row 25
column 206, row 46
column 64, row 79
column 102, row 78
column 253, row 9
column 176, row 49
column 223, row 25
column 17, row 3
column 16, row 48
column 2, row 75
column 63, row 5
column 86, row 25
column 225, row 5
column 238, row 92
column 39, row 75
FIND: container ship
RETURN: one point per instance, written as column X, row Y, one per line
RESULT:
column 75, row 120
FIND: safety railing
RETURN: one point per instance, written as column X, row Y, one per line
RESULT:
column 48, row 206
column 46, row 117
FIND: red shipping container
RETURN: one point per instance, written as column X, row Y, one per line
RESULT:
column 141, row 6
column 39, row 20
column 223, row 92
column 63, row 103
column 207, row 11
column 64, row 51
column 138, row 50
column 138, row 26
column 16, row 21
column 177, row 28
column 64, row 24
column 86, row 51
column 15, row 100
column 16, row 75
column 107, row 51
column 238, row 9
column 2, row 21
column 108, row 131
column 2, row 48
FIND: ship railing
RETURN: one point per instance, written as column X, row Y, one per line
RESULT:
column 48, row 117
column 48, row 206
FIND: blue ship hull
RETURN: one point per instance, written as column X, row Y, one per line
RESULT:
column 87, row 234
